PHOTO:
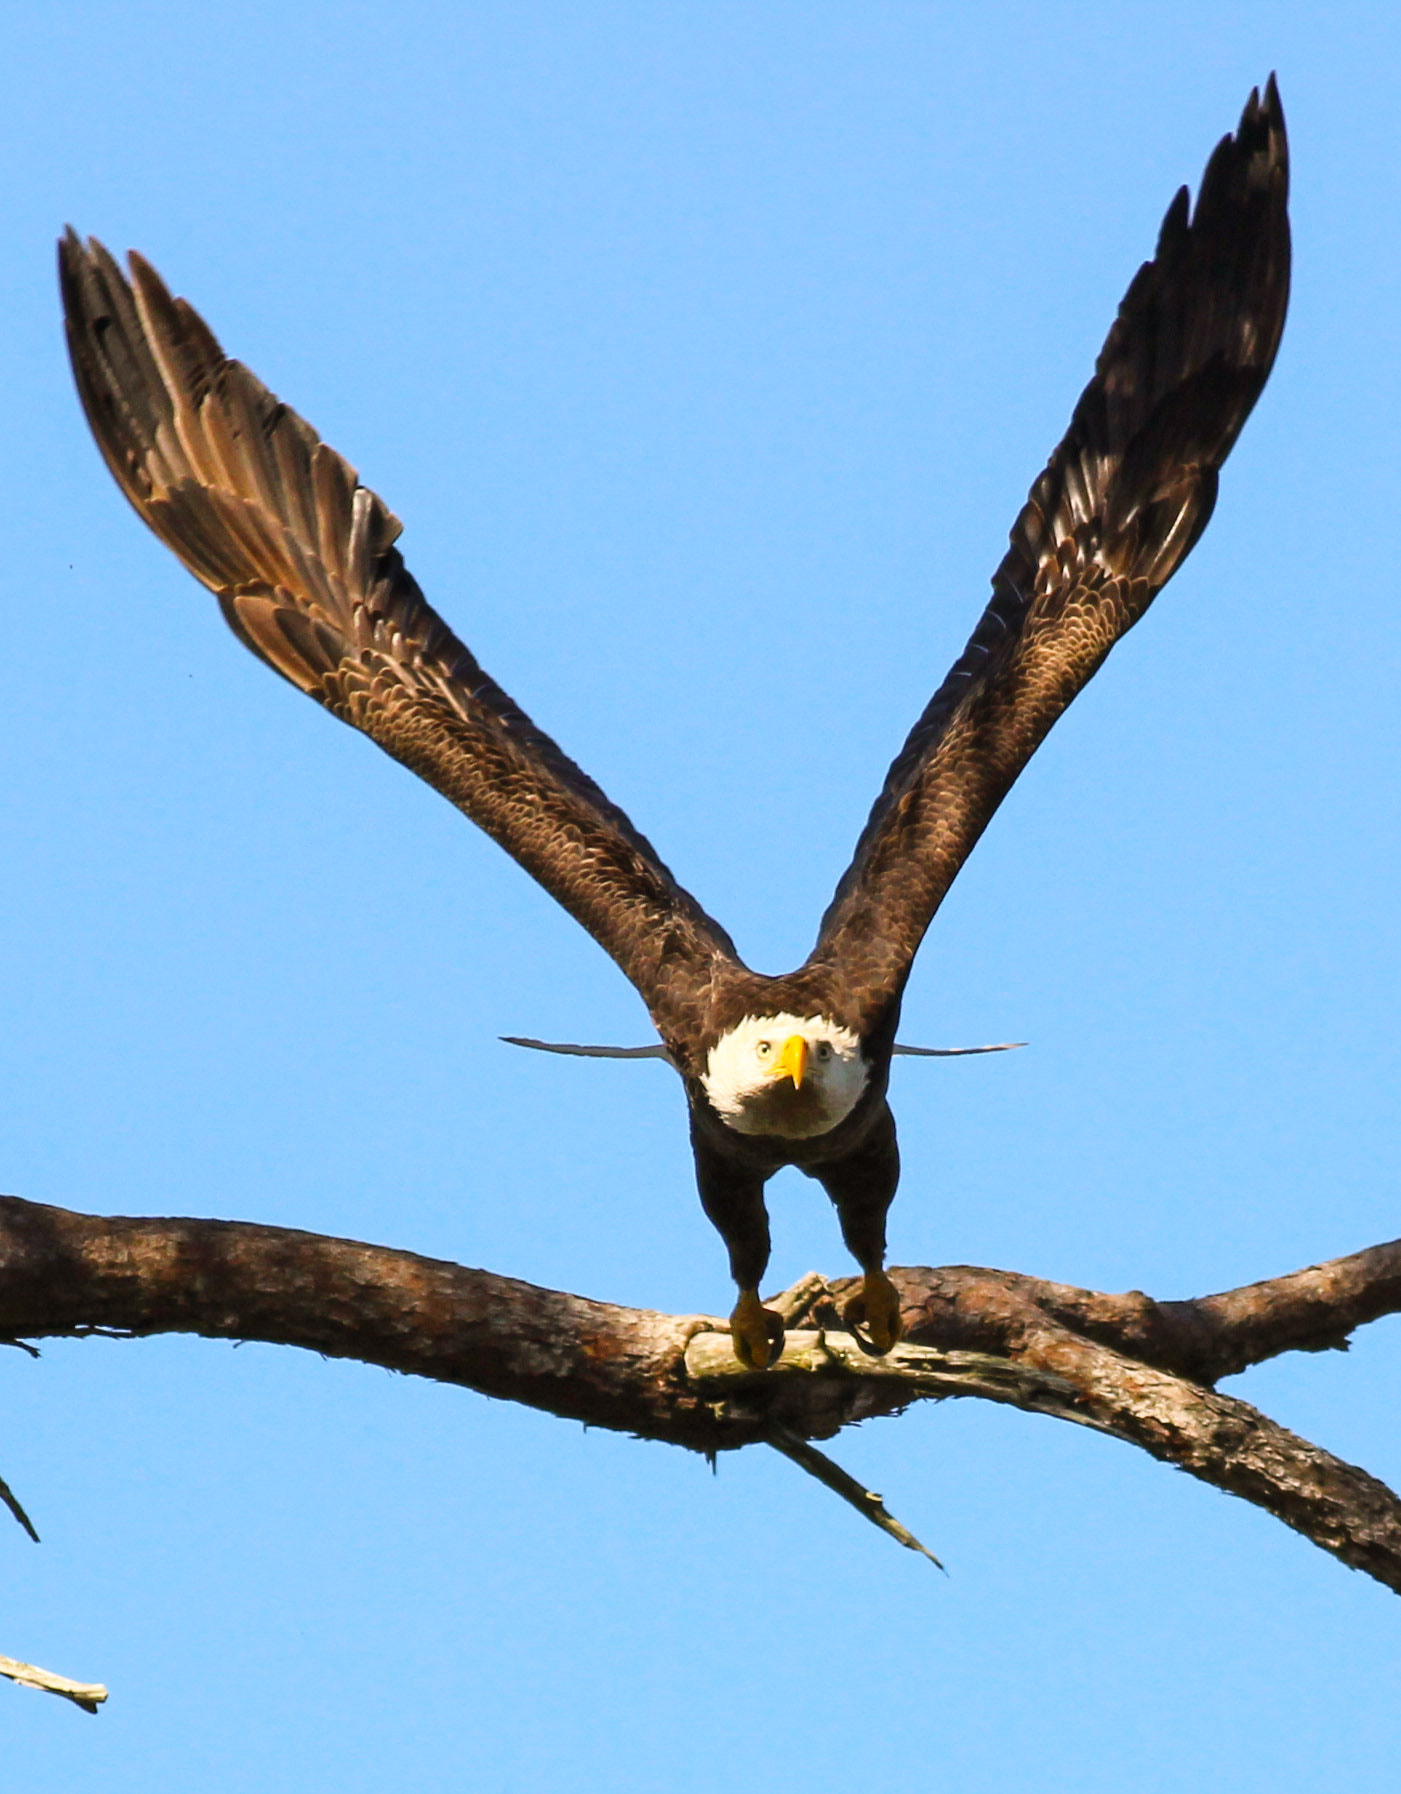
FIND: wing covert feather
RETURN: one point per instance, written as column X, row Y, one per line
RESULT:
column 302, row 559
column 1116, row 511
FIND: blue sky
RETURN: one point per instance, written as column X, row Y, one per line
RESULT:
column 708, row 352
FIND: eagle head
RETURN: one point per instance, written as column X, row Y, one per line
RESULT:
column 788, row 1075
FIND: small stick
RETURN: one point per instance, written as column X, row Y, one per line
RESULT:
column 10, row 1500
column 87, row 1695
column 807, row 1457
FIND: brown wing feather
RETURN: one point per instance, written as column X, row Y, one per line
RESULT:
column 1122, row 501
column 302, row 559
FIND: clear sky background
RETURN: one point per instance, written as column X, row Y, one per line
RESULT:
column 708, row 352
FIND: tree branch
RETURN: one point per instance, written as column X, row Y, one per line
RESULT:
column 87, row 1695
column 1125, row 1365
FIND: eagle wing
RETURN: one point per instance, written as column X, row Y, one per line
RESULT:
column 302, row 559
column 1116, row 512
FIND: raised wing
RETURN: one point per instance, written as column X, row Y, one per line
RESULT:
column 1116, row 512
column 302, row 560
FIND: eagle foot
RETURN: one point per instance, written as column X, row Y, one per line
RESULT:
column 873, row 1314
column 757, row 1331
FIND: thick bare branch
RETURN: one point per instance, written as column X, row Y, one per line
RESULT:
column 1126, row 1365
column 1207, row 1338
column 63, row 1273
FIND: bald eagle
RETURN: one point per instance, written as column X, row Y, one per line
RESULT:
column 778, row 1071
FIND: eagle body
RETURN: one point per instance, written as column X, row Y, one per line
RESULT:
column 789, row 1070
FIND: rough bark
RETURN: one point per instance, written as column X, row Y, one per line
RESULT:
column 1140, row 1370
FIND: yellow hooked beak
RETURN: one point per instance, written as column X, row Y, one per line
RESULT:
column 793, row 1061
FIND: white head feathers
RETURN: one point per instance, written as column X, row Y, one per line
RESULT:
column 751, row 1082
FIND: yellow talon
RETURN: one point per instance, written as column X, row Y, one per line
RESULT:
column 757, row 1331
column 877, row 1305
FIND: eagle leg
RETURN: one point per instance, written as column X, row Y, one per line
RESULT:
column 757, row 1331
column 862, row 1186
column 733, row 1198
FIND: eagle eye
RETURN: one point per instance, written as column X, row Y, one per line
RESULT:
column 764, row 1048
column 824, row 1049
